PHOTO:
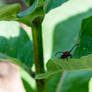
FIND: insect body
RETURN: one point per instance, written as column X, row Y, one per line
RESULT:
column 67, row 54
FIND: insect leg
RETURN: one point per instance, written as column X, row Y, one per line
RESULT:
column 58, row 52
column 74, row 46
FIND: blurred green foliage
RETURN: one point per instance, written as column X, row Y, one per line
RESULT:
column 61, row 30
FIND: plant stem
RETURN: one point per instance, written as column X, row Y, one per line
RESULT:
column 38, row 52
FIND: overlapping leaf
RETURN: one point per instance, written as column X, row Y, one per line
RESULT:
column 56, row 65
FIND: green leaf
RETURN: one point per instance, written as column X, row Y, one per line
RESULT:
column 61, row 28
column 9, row 12
column 76, row 82
column 67, row 29
column 85, row 38
column 53, row 82
column 69, row 82
column 15, row 42
column 84, row 63
column 57, row 65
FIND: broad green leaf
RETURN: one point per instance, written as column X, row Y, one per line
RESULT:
column 85, row 38
column 70, row 82
column 83, row 63
column 15, row 42
column 9, row 12
column 65, row 29
column 57, row 65
column 76, row 82
column 61, row 28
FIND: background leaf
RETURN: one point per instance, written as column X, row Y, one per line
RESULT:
column 85, row 38
column 53, row 82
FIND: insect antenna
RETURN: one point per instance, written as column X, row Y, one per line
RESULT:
column 58, row 52
column 74, row 46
